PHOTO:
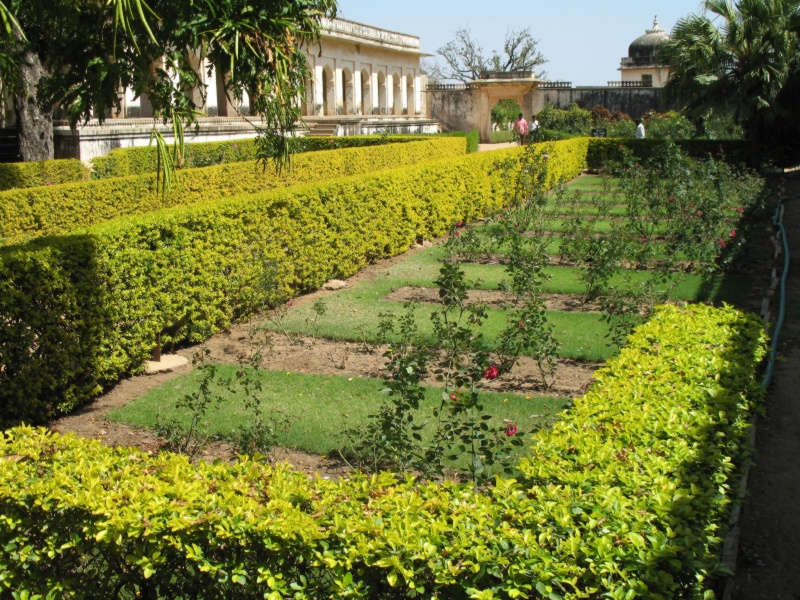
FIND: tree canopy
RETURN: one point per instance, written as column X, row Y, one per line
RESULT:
column 465, row 59
column 740, row 59
column 90, row 50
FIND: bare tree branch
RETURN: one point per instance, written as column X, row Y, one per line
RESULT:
column 465, row 60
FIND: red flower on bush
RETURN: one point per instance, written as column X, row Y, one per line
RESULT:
column 460, row 224
column 671, row 199
column 290, row 303
column 699, row 213
column 740, row 209
column 458, row 234
column 454, row 397
column 511, row 429
column 722, row 243
column 491, row 372
column 733, row 234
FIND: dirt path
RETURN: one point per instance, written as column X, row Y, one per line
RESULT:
column 768, row 566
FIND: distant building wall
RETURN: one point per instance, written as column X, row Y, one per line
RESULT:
column 454, row 109
column 635, row 101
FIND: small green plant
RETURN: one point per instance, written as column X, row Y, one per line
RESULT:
column 189, row 439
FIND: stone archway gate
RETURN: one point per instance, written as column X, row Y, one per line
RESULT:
column 468, row 106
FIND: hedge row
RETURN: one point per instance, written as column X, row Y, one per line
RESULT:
column 136, row 161
column 80, row 310
column 627, row 497
column 34, row 212
column 44, row 173
column 603, row 151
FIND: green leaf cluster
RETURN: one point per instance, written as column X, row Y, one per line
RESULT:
column 605, row 151
column 56, row 210
column 627, row 496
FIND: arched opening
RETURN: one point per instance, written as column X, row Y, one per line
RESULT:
column 348, row 93
column 504, row 113
column 328, row 92
column 398, row 95
column 366, row 93
column 382, row 95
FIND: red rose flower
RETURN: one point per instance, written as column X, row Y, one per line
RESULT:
column 511, row 429
column 491, row 372
column 733, row 234
column 460, row 224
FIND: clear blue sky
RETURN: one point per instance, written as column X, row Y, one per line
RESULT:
column 583, row 40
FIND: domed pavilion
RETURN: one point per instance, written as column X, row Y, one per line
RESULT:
column 641, row 68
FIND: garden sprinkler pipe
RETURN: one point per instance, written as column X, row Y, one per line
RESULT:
column 777, row 221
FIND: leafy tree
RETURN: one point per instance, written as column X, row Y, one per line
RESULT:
column 465, row 59
column 77, row 56
column 505, row 112
column 741, row 59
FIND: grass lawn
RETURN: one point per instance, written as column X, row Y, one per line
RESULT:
column 321, row 407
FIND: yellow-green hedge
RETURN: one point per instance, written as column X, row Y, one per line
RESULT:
column 628, row 496
column 136, row 161
column 44, row 173
column 35, row 212
column 79, row 310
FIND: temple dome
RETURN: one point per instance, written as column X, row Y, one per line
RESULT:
column 643, row 49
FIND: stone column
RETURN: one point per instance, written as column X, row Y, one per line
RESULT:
column 357, row 92
column 212, row 97
column 318, row 98
column 417, row 95
column 337, row 84
column 375, row 92
column 389, row 94
column 404, row 94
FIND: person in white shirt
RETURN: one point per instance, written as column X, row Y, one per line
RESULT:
column 533, row 129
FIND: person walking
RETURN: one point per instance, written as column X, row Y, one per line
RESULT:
column 520, row 128
column 533, row 129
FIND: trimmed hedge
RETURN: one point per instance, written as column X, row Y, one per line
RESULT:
column 627, row 497
column 605, row 150
column 52, row 210
column 136, row 161
column 80, row 310
column 44, row 173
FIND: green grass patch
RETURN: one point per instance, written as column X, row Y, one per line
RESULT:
column 422, row 269
column 354, row 314
column 498, row 137
column 321, row 407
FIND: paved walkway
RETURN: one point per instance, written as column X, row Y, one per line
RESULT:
column 500, row 146
column 768, row 565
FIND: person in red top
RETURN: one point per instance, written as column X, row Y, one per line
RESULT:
column 521, row 129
